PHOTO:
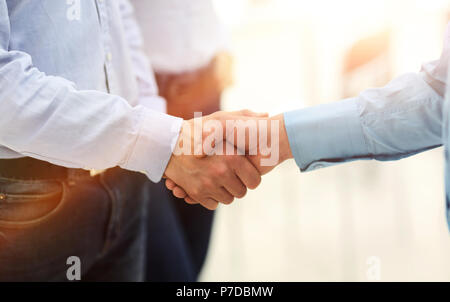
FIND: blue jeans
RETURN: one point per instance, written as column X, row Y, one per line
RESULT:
column 99, row 219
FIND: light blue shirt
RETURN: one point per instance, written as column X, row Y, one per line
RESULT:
column 76, row 90
column 409, row 115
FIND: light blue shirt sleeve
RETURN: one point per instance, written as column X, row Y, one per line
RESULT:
column 388, row 123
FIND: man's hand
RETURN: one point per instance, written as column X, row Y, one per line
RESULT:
column 209, row 180
column 275, row 131
column 284, row 150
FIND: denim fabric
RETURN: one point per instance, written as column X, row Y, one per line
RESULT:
column 98, row 219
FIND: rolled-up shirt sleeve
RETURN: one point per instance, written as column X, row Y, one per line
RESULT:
column 48, row 118
column 388, row 123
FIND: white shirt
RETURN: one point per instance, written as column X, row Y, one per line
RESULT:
column 179, row 35
column 76, row 90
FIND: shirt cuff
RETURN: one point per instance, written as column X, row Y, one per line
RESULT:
column 324, row 135
column 156, row 140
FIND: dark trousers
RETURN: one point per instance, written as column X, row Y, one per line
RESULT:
column 178, row 237
column 101, row 220
column 121, row 226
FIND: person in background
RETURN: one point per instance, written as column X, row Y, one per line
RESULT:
column 187, row 49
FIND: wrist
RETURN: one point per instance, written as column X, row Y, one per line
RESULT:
column 178, row 148
column 284, row 146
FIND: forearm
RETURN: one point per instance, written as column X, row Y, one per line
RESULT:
column 389, row 123
column 54, row 121
column 285, row 151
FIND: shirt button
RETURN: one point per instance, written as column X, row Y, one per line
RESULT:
column 109, row 56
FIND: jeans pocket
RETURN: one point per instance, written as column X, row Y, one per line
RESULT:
column 28, row 202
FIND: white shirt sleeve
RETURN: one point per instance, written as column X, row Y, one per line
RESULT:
column 48, row 118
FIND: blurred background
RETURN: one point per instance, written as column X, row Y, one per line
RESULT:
column 364, row 221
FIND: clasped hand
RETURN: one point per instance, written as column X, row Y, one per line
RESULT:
column 209, row 178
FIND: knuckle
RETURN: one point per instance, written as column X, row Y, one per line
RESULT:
column 209, row 204
column 195, row 192
column 241, row 192
column 208, row 183
column 256, row 182
column 209, row 186
column 220, row 170
column 228, row 200
column 178, row 193
column 188, row 200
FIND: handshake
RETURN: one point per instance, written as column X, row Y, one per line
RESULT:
column 219, row 156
